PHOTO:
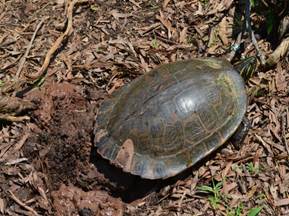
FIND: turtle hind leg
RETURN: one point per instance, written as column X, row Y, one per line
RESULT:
column 238, row 137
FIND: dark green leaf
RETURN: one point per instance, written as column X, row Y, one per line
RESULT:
column 205, row 188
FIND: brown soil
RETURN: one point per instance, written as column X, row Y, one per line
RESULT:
column 61, row 147
column 70, row 200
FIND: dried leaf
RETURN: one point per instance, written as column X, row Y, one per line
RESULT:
column 251, row 193
column 227, row 169
column 273, row 191
column 135, row 3
column 228, row 187
column 227, row 4
column 223, row 31
column 212, row 38
column 118, row 15
column 2, row 206
column 275, row 125
column 282, row 202
column 280, row 78
column 116, row 84
column 165, row 3
column 200, row 11
column 167, row 24
column 183, row 35
column 212, row 49
column 21, row 142
column 221, row 7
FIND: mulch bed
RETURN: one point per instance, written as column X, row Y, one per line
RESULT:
column 63, row 58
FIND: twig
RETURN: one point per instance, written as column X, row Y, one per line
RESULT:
column 251, row 33
column 14, row 118
column 284, row 124
column 5, row 149
column 21, row 142
column 2, row 70
column 23, row 59
column 135, row 3
column 16, row 161
column 235, row 47
column 57, row 43
column 19, row 202
column 165, row 3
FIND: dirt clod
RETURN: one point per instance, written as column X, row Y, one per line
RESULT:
column 70, row 200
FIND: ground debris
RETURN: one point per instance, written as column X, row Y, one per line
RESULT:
column 47, row 143
column 11, row 108
column 70, row 200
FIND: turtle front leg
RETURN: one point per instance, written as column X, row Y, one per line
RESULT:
column 238, row 137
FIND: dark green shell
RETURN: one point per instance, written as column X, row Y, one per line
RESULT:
column 168, row 119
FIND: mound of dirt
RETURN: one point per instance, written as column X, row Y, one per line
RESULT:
column 61, row 149
column 64, row 141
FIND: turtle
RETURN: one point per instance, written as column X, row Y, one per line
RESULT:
column 171, row 117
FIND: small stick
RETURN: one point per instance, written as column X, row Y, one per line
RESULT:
column 59, row 40
column 23, row 59
column 235, row 47
column 251, row 33
column 135, row 3
column 14, row 118
column 19, row 202
column 10, row 65
column 284, row 124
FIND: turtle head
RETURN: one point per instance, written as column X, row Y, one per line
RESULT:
column 246, row 66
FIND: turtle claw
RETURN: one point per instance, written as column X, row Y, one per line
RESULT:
column 240, row 134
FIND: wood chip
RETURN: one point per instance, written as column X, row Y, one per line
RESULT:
column 165, row 3
column 16, row 161
column 282, row 202
column 183, row 35
column 21, row 142
column 166, row 23
column 2, row 206
column 223, row 31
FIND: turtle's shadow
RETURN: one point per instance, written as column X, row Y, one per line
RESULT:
column 133, row 187
column 130, row 187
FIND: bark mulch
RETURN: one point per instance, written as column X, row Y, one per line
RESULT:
column 60, row 59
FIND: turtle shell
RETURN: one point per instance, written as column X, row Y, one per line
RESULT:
column 171, row 117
